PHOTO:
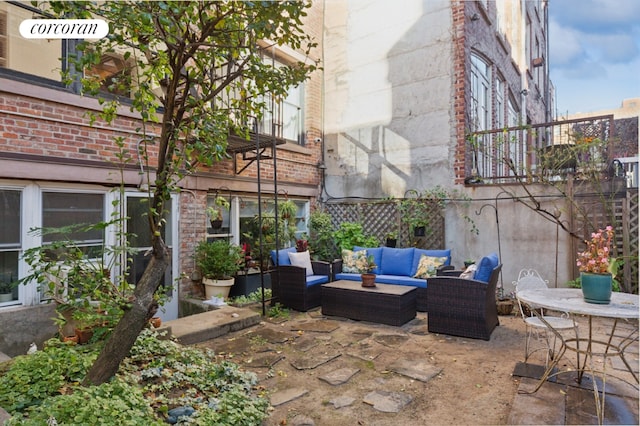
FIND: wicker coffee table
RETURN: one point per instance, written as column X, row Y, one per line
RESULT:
column 384, row 303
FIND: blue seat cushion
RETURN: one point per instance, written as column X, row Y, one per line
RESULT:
column 431, row 253
column 401, row 280
column 317, row 279
column 348, row 276
column 396, row 261
column 486, row 265
column 376, row 252
column 283, row 256
column 386, row 279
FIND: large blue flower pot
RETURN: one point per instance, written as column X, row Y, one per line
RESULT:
column 596, row 288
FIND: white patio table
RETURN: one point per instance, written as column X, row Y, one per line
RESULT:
column 623, row 306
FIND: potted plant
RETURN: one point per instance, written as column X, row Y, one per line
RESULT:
column 287, row 209
column 392, row 239
column 218, row 261
column 598, row 267
column 214, row 213
column 6, row 288
column 368, row 277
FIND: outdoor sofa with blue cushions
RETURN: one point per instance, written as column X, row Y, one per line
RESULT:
column 465, row 306
column 296, row 284
column 397, row 266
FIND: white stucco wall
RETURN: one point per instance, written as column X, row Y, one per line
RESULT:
column 527, row 239
column 388, row 96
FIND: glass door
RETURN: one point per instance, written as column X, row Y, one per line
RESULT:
column 139, row 235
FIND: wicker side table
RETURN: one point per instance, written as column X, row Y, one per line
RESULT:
column 384, row 303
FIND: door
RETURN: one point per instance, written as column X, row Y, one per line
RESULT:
column 139, row 236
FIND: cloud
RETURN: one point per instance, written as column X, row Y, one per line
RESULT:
column 593, row 16
column 616, row 48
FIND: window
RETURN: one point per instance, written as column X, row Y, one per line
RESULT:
column 481, row 117
column 39, row 57
column 284, row 117
column 250, row 229
column 10, row 242
column 114, row 73
column 60, row 209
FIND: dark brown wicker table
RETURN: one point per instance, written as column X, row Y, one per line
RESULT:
column 384, row 303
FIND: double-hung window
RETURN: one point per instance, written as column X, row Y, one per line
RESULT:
column 10, row 243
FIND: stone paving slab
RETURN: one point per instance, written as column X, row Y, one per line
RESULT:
column 338, row 377
column 318, row 326
column 284, row 396
column 391, row 340
column 342, row 401
column 313, row 361
column 415, row 369
column 534, row 409
column 388, row 402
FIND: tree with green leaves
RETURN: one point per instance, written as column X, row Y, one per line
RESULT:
column 197, row 71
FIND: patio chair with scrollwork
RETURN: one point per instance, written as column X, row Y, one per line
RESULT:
column 536, row 319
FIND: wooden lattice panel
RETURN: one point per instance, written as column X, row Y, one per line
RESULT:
column 382, row 217
column 621, row 210
column 631, row 269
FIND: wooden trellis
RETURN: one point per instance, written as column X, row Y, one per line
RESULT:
column 379, row 218
column 622, row 210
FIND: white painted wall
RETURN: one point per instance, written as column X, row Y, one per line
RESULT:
column 388, row 91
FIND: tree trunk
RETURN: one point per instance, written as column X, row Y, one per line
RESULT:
column 124, row 335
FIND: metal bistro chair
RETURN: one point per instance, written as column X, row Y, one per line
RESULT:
column 529, row 279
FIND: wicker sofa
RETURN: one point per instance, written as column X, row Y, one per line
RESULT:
column 396, row 266
column 294, row 286
column 465, row 307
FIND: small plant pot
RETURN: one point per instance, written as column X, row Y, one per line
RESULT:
column 155, row 322
column 84, row 334
column 368, row 280
column 505, row 306
column 73, row 339
column 419, row 231
column 391, row 242
column 216, row 224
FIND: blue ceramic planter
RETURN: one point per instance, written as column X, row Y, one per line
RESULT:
column 596, row 288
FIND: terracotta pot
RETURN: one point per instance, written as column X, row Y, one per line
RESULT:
column 155, row 322
column 72, row 339
column 84, row 334
column 505, row 306
column 368, row 280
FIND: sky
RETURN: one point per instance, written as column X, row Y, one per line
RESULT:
column 594, row 53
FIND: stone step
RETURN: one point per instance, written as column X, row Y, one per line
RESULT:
column 198, row 328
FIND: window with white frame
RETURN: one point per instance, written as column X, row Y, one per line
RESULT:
column 10, row 243
column 258, row 235
column 284, row 117
column 63, row 209
column 481, row 114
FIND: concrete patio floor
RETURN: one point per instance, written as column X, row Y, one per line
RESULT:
column 234, row 332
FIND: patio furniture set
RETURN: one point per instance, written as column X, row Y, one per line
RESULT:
column 457, row 306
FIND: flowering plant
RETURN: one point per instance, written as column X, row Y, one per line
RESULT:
column 596, row 259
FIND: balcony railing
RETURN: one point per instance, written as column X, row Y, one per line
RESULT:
column 526, row 153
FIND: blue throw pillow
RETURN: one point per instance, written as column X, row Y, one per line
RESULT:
column 486, row 265
column 417, row 253
column 396, row 261
column 375, row 252
column 283, row 256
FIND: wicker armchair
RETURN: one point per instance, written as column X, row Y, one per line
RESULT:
column 462, row 307
column 293, row 288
